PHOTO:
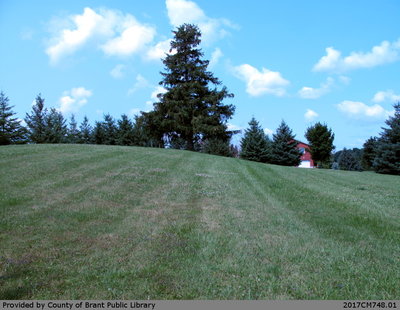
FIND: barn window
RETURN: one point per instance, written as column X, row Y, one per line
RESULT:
column 302, row 150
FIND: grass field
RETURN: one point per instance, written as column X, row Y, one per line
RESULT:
column 104, row 222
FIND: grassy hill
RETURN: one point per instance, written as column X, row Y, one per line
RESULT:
column 104, row 222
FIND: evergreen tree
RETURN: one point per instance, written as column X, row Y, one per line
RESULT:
column 369, row 152
column 110, row 130
column 284, row 150
column 36, row 121
column 216, row 147
column 55, row 127
column 387, row 158
column 73, row 131
column 146, row 130
column 348, row 161
column 105, row 132
column 255, row 144
column 190, row 110
column 320, row 139
column 125, row 134
column 99, row 133
column 86, row 131
column 11, row 130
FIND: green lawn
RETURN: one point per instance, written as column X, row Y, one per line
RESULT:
column 104, row 222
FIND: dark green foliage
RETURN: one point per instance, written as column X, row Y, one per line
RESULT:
column 216, row 147
column 55, row 130
column 387, row 158
column 99, row 133
column 369, row 153
column 320, row 139
column 190, row 110
column 11, row 130
column 105, row 132
column 125, row 133
column 73, row 135
column 147, row 131
column 255, row 145
column 284, row 150
column 86, row 132
column 36, row 121
column 350, row 160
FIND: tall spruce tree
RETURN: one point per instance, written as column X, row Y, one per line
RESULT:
column 125, row 134
column 284, row 150
column 255, row 144
column 387, row 158
column 55, row 127
column 99, row 133
column 369, row 153
column 86, row 131
column 320, row 139
column 11, row 130
column 36, row 121
column 73, row 131
column 105, row 132
column 190, row 110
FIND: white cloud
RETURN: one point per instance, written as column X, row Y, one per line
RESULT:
column 233, row 127
column 260, row 83
column 159, row 50
column 310, row 115
column 386, row 52
column 133, row 112
column 268, row 132
column 387, row 95
column 314, row 93
column 118, row 71
column 345, row 79
column 141, row 82
column 215, row 56
column 158, row 90
column 359, row 110
column 116, row 33
column 131, row 40
column 184, row 11
column 73, row 100
column 153, row 96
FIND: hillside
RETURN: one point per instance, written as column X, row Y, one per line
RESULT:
column 104, row 222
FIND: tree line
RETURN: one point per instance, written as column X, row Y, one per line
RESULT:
column 191, row 115
column 282, row 149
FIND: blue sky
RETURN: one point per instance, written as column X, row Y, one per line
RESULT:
column 336, row 62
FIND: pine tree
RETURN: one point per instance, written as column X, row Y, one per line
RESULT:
column 369, row 152
column 387, row 158
column 86, row 131
column 320, row 139
column 99, row 133
column 125, row 134
column 36, row 121
column 55, row 127
column 110, row 130
column 284, row 150
column 105, row 132
column 73, row 131
column 216, row 147
column 190, row 110
column 255, row 145
column 146, row 130
column 11, row 130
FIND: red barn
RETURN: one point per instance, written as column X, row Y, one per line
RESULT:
column 306, row 159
